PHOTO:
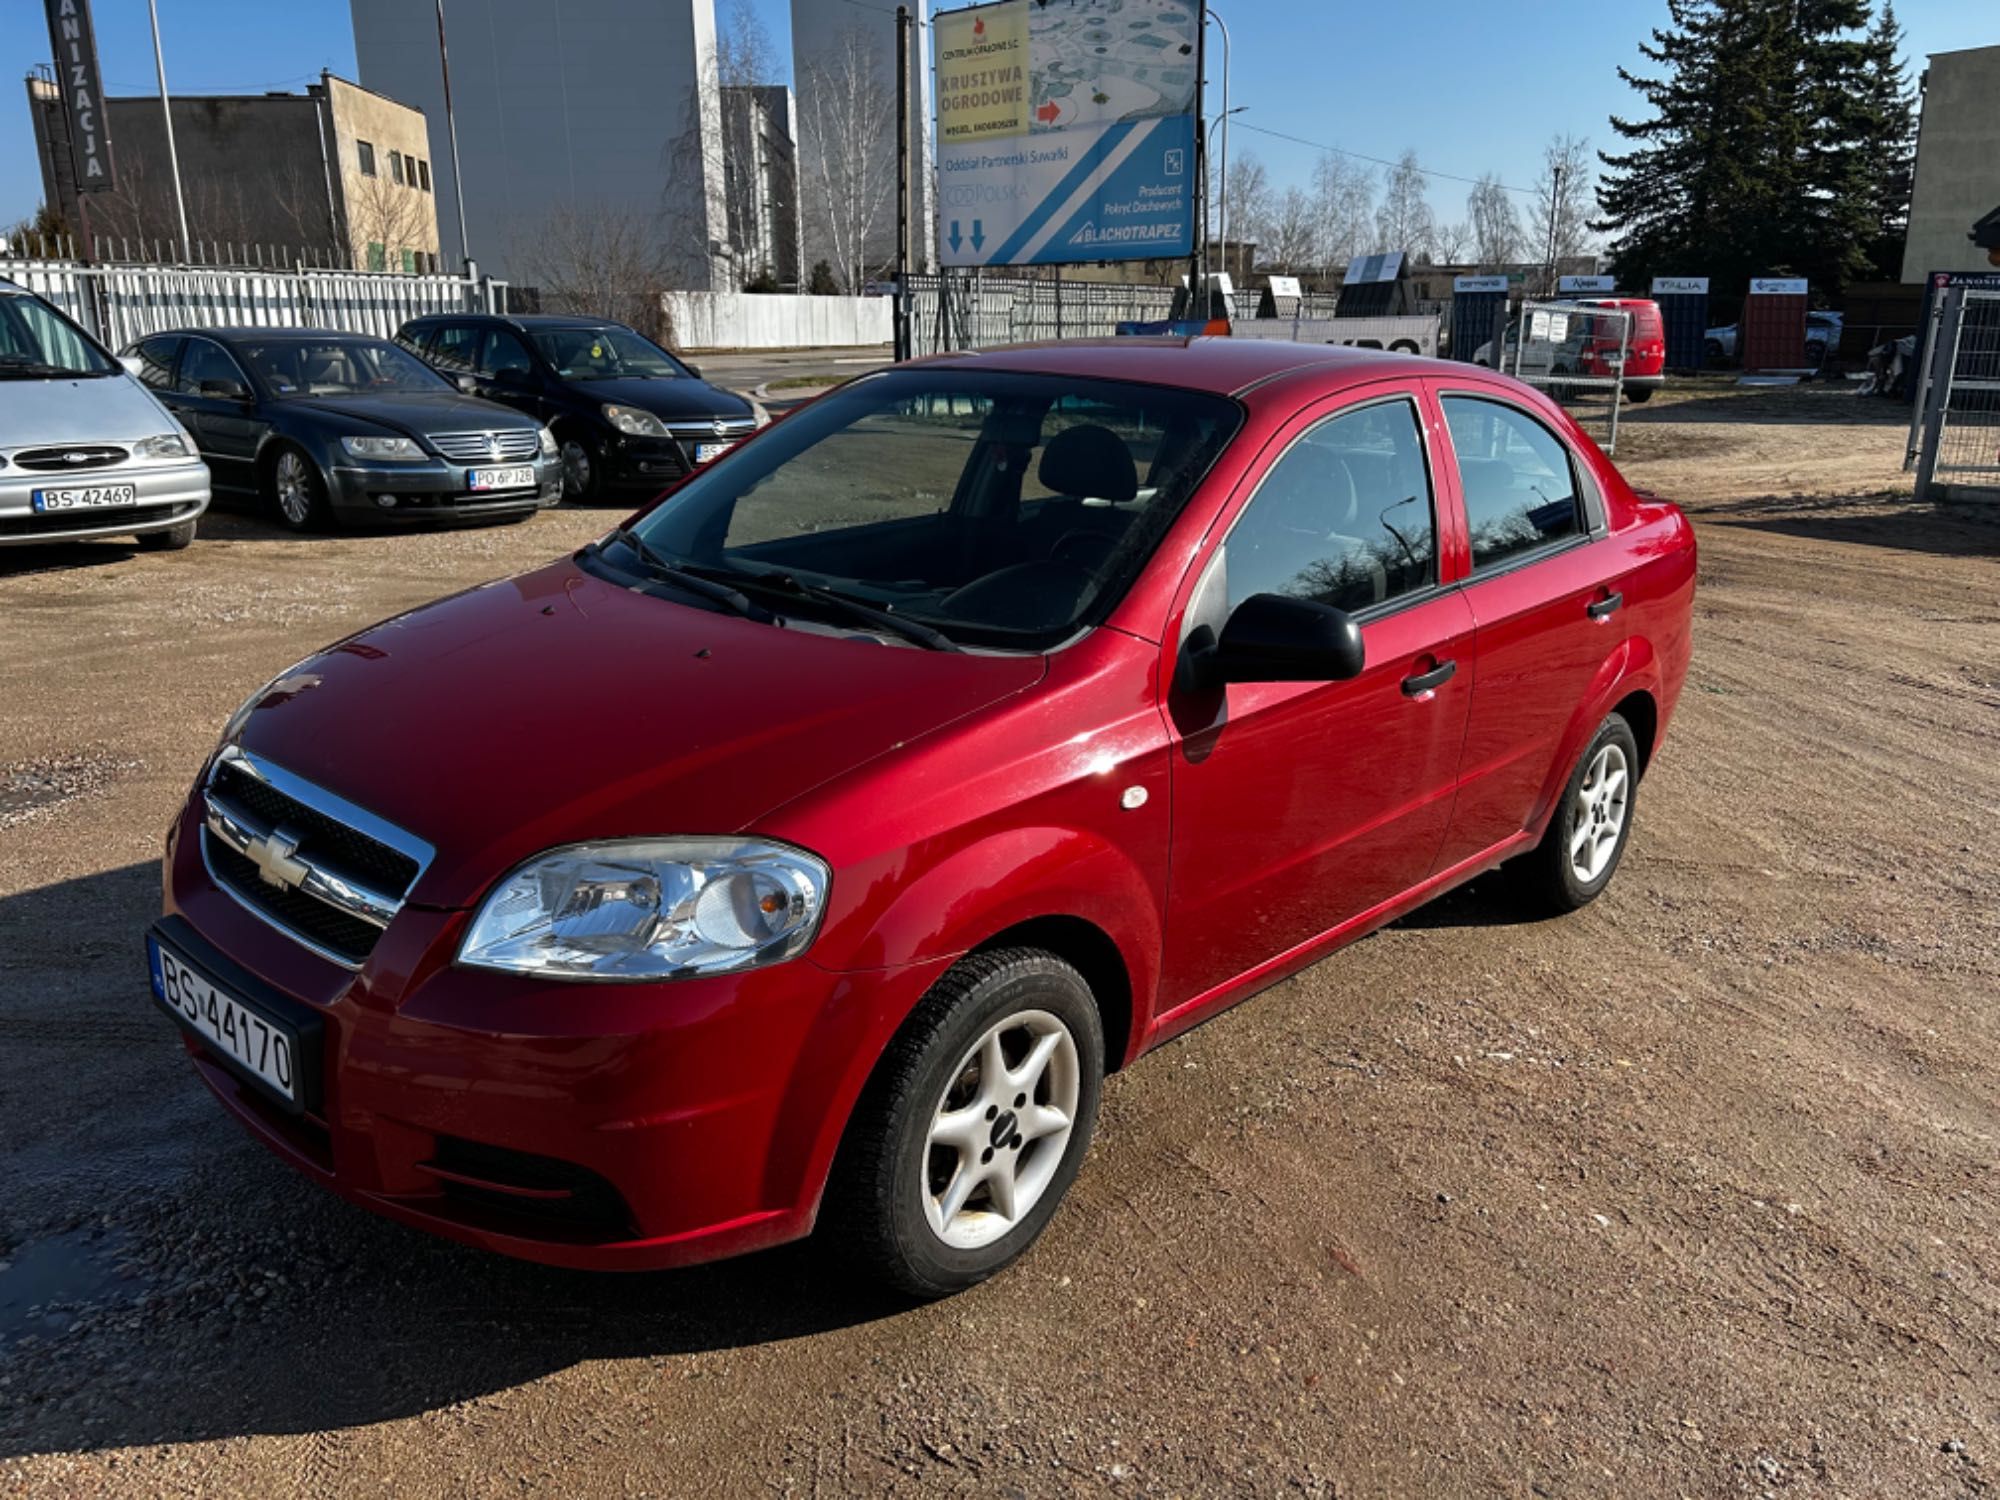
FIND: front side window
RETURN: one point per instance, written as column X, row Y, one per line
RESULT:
column 504, row 352
column 1519, row 483
column 457, row 348
column 365, row 151
column 38, row 343
column 1343, row 518
column 292, row 368
column 1001, row 509
column 156, row 362
column 605, row 354
column 207, row 364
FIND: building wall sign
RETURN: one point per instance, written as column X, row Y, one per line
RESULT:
column 1066, row 132
column 74, row 43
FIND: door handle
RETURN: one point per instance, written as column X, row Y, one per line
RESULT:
column 1423, row 682
column 1605, row 608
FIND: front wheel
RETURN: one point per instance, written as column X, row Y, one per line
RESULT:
column 1587, row 832
column 581, row 468
column 1639, row 395
column 296, row 492
column 972, row 1127
column 173, row 539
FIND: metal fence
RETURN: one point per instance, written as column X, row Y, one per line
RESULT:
column 1957, row 426
column 1575, row 353
column 949, row 312
column 122, row 303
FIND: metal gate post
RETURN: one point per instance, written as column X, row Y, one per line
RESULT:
column 1618, row 385
column 1920, row 380
column 1944, row 359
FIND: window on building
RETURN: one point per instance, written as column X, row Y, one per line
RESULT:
column 423, row 174
column 377, row 256
column 409, row 262
column 396, row 167
column 367, row 153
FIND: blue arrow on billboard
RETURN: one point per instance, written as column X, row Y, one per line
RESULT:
column 955, row 238
column 978, row 237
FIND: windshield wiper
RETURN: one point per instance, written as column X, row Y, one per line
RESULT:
column 909, row 630
column 35, row 369
column 693, row 583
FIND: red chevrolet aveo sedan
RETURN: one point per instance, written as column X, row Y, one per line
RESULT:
column 805, row 851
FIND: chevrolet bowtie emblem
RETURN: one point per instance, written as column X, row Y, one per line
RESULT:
column 273, row 855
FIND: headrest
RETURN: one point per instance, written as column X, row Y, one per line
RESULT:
column 1089, row 462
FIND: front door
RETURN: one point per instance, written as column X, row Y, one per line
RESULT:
column 213, row 397
column 1298, row 806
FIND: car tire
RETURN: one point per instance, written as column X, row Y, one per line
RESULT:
column 1712, row 350
column 1639, row 395
column 295, row 490
column 173, row 539
column 963, row 1069
column 582, row 468
column 1588, row 830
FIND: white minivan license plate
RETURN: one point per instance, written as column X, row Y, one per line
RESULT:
column 83, row 497
column 520, row 478
column 256, row 1043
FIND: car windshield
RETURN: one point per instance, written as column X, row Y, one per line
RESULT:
column 38, row 343
column 293, row 368
column 1003, row 510
column 605, row 354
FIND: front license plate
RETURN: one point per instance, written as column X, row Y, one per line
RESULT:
column 520, row 478
column 260, row 1046
column 84, row 497
column 709, row 452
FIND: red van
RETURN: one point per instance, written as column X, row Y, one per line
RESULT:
column 1646, row 346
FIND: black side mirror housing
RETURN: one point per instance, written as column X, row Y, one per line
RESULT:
column 1276, row 638
column 693, row 370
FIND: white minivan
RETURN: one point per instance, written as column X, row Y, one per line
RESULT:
column 85, row 449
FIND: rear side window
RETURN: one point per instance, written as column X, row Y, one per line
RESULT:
column 1344, row 518
column 156, row 362
column 1519, row 482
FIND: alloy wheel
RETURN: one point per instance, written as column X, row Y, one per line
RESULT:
column 294, row 487
column 576, row 470
column 1598, row 813
column 999, row 1133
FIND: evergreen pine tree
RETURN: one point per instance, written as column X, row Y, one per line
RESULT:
column 1888, row 127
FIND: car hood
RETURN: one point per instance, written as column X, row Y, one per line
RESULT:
column 88, row 409
column 557, row 707
column 669, row 400
column 416, row 415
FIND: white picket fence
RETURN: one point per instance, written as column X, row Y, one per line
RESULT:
column 759, row 320
column 122, row 303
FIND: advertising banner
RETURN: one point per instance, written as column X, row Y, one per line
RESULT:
column 74, row 43
column 1066, row 130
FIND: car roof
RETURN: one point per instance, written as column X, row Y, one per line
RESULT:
column 253, row 331
column 1222, row 365
column 522, row 320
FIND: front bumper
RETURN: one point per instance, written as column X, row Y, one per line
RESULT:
column 603, row 1127
column 649, row 464
column 435, row 490
column 165, row 495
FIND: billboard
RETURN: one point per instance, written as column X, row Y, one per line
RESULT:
column 1066, row 130
column 74, row 42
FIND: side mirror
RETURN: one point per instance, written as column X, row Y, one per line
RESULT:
column 693, row 370
column 1276, row 638
column 133, row 364
column 467, row 383
column 225, row 390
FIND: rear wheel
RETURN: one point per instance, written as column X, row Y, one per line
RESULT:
column 972, row 1127
column 1639, row 395
column 296, row 492
column 1587, row 832
column 173, row 539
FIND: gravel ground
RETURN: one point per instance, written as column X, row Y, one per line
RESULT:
column 1692, row 1193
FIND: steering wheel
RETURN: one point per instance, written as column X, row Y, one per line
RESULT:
column 1083, row 548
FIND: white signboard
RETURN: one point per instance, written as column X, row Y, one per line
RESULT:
column 1674, row 286
column 1364, row 269
column 1778, row 286
column 1284, row 286
column 1538, row 327
column 1558, row 327
column 1570, row 286
column 1479, row 283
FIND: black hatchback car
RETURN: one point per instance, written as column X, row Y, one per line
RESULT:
column 320, row 425
column 629, row 418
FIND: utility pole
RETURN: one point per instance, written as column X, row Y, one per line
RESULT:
column 167, row 115
column 1555, row 209
column 903, row 30
column 1198, row 262
column 451, row 128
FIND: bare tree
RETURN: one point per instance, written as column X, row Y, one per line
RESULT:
column 1344, row 206
column 1249, row 196
column 1496, row 225
column 849, row 170
column 601, row 260
column 1403, row 220
column 744, row 54
column 1565, row 199
column 385, row 218
column 1449, row 242
column 1291, row 234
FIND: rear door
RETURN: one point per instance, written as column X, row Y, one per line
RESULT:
column 1545, row 614
column 1300, row 805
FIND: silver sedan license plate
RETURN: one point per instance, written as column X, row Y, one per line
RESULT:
column 83, row 497
column 256, row 1043
column 520, row 477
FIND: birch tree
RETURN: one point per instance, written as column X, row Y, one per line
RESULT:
column 849, row 159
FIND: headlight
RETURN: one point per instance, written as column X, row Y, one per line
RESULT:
column 548, row 443
column 650, row 909
column 166, row 445
column 400, row 449
column 631, row 420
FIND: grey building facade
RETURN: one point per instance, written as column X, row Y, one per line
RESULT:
column 761, row 182
column 1958, row 163
column 575, row 117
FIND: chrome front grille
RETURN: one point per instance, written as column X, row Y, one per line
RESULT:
column 710, row 430
column 509, row 446
column 320, row 869
column 71, row 458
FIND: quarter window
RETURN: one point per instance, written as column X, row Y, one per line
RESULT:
column 1519, row 482
column 156, row 362
column 1344, row 518
column 366, row 151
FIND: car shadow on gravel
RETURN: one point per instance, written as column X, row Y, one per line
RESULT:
column 163, row 1278
column 64, row 557
column 1941, row 531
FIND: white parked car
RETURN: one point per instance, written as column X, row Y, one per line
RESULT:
column 1822, row 338
column 85, row 449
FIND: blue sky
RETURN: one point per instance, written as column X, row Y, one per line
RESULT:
column 1472, row 87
